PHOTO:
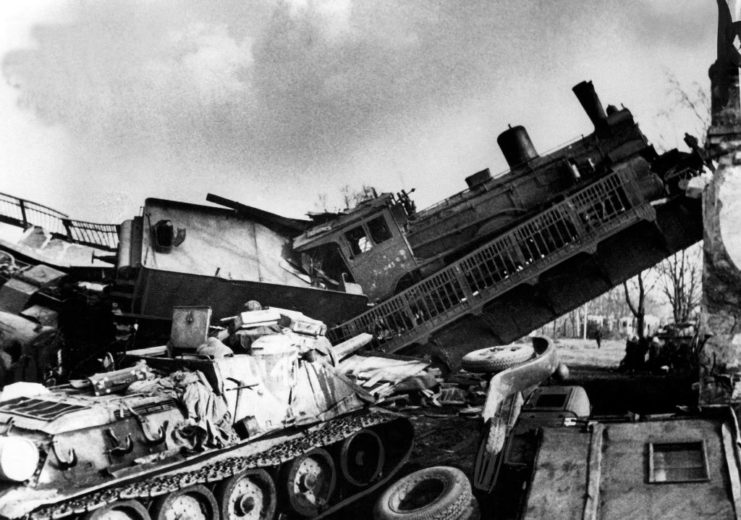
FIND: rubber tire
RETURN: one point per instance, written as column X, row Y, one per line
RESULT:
column 472, row 511
column 160, row 505
column 495, row 359
column 132, row 505
column 451, row 503
column 225, row 488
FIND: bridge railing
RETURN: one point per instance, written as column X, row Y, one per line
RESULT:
column 525, row 251
column 25, row 213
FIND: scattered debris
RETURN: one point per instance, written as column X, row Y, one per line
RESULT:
column 382, row 376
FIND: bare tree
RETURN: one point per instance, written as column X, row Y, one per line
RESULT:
column 690, row 102
column 638, row 309
column 681, row 282
column 349, row 198
column 637, row 305
column 695, row 99
column 322, row 202
column 352, row 198
column 610, row 304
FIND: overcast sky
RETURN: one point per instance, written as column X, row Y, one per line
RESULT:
column 107, row 102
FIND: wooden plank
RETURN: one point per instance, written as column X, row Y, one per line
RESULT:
column 381, row 369
column 594, row 473
column 625, row 490
column 349, row 347
column 729, row 450
column 558, row 484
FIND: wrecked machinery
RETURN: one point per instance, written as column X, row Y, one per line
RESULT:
column 494, row 261
column 503, row 257
column 559, row 461
column 105, row 288
column 194, row 430
column 543, row 454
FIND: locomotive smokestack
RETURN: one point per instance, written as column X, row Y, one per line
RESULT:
column 516, row 146
column 592, row 105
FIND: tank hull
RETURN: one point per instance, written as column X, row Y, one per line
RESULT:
column 214, row 466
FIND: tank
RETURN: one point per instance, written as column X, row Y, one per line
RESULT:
column 201, row 430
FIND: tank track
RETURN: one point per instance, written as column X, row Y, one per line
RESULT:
column 144, row 488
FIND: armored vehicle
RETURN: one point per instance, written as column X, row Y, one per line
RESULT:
column 198, row 430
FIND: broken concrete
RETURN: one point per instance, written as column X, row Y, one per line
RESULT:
column 720, row 359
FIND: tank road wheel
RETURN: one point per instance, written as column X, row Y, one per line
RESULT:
column 309, row 482
column 249, row 495
column 191, row 503
column 124, row 510
column 362, row 457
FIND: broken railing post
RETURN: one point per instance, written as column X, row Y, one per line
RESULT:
column 22, row 206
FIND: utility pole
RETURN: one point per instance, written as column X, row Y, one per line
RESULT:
column 586, row 319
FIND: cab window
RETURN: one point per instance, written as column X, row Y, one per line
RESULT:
column 378, row 230
column 358, row 240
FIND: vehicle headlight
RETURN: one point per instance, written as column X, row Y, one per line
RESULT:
column 18, row 458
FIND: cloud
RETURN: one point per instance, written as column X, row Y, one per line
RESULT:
column 117, row 77
column 679, row 24
column 293, row 93
column 303, row 77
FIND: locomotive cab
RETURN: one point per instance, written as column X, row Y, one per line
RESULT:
column 364, row 248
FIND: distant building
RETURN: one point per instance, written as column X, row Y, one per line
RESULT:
column 627, row 325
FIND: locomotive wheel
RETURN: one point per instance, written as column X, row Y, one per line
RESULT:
column 194, row 503
column 309, row 482
column 362, row 457
column 124, row 510
column 247, row 496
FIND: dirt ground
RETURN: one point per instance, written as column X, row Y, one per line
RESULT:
column 443, row 437
column 580, row 353
column 614, row 392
